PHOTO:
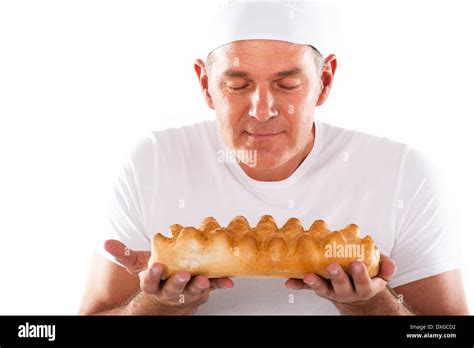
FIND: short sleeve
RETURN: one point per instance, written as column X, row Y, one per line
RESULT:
column 131, row 200
column 426, row 235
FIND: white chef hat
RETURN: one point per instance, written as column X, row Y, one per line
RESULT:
column 302, row 22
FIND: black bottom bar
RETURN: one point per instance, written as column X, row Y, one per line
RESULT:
column 315, row 330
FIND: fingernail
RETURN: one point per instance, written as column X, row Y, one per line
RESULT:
column 310, row 280
column 156, row 270
column 333, row 271
column 357, row 267
column 181, row 279
column 201, row 286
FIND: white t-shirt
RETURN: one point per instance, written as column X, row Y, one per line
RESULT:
column 387, row 188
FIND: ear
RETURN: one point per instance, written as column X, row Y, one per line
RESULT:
column 200, row 69
column 327, row 78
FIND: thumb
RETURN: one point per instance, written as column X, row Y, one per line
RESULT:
column 388, row 268
column 133, row 261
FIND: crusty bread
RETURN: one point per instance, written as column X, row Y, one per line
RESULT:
column 264, row 251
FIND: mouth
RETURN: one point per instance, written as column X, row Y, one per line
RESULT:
column 262, row 135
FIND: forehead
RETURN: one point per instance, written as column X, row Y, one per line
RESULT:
column 262, row 56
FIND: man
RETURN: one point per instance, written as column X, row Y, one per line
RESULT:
column 264, row 87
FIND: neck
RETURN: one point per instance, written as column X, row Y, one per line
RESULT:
column 285, row 170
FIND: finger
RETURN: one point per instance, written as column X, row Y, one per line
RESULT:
column 362, row 282
column 150, row 279
column 175, row 285
column 340, row 281
column 296, row 284
column 120, row 251
column 196, row 285
column 318, row 284
column 222, row 283
column 133, row 261
column 388, row 268
column 378, row 284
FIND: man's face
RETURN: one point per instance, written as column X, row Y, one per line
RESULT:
column 264, row 93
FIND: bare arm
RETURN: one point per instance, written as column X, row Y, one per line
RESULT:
column 442, row 294
column 136, row 289
column 112, row 290
column 108, row 288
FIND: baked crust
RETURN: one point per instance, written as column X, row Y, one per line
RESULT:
column 265, row 250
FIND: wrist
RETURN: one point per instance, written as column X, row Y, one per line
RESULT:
column 383, row 303
column 367, row 307
column 144, row 304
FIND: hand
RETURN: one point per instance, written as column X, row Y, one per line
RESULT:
column 340, row 289
column 180, row 292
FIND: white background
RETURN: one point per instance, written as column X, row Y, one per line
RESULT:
column 81, row 80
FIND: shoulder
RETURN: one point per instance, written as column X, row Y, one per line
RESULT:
column 379, row 157
column 340, row 136
column 174, row 140
column 174, row 147
column 363, row 149
column 188, row 133
column 185, row 140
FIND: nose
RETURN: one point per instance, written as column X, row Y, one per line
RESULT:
column 262, row 105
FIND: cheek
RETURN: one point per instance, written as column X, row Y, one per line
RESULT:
column 229, row 110
column 299, row 113
column 297, row 103
column 232, row 105
column 228, row 118
column 298, row 108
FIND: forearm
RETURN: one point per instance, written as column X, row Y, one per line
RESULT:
column 143, row 304
column 385, row 302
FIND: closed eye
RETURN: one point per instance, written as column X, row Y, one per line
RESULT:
column 237, row 88
column 289, row 88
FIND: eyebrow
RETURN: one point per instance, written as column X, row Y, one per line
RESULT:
column 235, row 73
column 243, row 74
column 286, row 73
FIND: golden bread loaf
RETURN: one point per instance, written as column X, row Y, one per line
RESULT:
column 265, row 250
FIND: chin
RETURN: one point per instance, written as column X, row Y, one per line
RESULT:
column 269, row 159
